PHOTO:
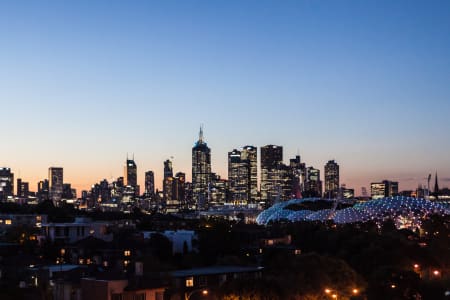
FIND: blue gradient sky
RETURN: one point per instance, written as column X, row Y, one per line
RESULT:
column 364, row 82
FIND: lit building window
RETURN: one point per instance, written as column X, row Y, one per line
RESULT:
column 126, row 263
column 127, row 253
column 190, row 281
column 8, row 222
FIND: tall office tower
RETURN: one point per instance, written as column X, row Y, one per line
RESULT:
column 331, row 179
column 383, row 189
column 250, row 154
column 298, row 175
column 201, row 172
column 313, row 184
column 6, row 183
column 149, row 183
column 130, row 173
column 23, row 190
column 238, row 178
column 271, row 161
column 168, row 171
column 55, row 178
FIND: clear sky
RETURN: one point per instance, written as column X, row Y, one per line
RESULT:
column 366, row 83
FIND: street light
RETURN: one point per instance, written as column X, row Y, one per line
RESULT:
column 332, row 293
column 187, row 295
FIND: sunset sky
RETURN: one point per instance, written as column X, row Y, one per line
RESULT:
column 367, row 83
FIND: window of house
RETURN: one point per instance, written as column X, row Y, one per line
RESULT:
column 190, row 281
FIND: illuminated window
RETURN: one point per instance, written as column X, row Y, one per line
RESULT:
column 190, row 281
column 127, row 253
column 126, row 263
column 8, row 222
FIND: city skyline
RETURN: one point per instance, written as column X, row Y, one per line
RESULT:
column 364, row 84
column 167, row 166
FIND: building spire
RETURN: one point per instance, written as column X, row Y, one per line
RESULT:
column 200, row 135
column 436, row 185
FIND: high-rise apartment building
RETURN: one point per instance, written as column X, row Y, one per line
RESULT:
column 201, row 172
column 55, row 178
column 331, row 175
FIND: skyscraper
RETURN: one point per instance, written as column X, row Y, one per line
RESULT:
column 250, row 154
column 130, row 173
column 313, row 184
column 298, row 175
column 6, row 183
column 149, row 183
column 201, row 172
column 238, row 178
column 271, row 160
column 331, row 179
column 168, row 170
column 55, row 178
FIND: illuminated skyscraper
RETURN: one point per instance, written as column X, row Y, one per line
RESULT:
column 331, row 179
column 250, row 154
column 201, row 172
column 238, row 178
column 55, row 178
column 271, row 160
column 6, row 183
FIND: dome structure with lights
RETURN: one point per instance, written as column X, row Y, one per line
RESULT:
column 406, row 212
